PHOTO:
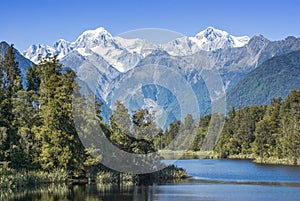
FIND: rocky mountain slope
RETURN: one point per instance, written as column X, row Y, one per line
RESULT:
column 272, row 79
column 103, row 62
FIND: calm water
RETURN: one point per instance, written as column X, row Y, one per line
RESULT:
column 212, row 180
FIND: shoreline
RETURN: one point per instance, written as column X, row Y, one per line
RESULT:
column 190, row 155
column 12, row 179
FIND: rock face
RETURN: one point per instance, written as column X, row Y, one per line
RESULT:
column 103, row 62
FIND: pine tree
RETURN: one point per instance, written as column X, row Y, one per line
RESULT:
column 267, row 142
column 145, row 129
column 26, row 119
column 120, row 127
column 201, row 132
column 170, row 134
column 186, row 133
column 61, row 146
column 11, row 83
column 33, row 79
column 290, row 126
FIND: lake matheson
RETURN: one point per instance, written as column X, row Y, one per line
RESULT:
column 150, row 100
column 211, row 180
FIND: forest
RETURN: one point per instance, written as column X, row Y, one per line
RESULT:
column 265, row 133
column 38, row 133
column 38, row 136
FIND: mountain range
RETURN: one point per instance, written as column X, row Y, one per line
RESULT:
column 273, row 78
column 103, row 62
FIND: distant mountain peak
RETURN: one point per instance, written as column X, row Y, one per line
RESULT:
column 103, row 43
column 257, row 42
column 210, row 39
column 259, row 36
column 96, row 32
column 93, row 38
column 211, row 33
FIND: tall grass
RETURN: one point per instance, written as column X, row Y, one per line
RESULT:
column 169, row 174
column 12, row 179
column 112, row 177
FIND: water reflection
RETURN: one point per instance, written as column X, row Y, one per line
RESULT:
column 91, row 192
column 189, row 190
column 213, row 180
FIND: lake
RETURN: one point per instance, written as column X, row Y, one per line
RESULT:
column 211, row 180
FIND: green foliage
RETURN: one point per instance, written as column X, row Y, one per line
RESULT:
column 60, row 144
column 266, row 133
column 37, row 129
column 136, row 134
column 11, row 179
column 11, row 83
column 120, row 127
column 290, row 126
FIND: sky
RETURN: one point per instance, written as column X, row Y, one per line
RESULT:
column 23, row 23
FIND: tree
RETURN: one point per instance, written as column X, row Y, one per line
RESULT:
column 170, row 135
column 290, row 126
column 33, row 79
column 11, row 83
column 26, row 119
column 267, row 142
column 201, row 132
column 120, row 127
column 61, row 146
column 145, row 129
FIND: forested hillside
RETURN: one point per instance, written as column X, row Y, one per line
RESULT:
column 37, row 130
column 274, row 78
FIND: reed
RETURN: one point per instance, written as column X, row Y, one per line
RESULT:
column 12, row 179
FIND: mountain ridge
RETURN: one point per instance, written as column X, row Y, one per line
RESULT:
column 274, row 78
column 104, row 61
column 209, row 39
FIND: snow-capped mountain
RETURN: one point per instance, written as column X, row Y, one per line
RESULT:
column 213, row 39
column 60, row 48
column 124, row 54
column 36, row 52
column 102, row 61
column 210, row 39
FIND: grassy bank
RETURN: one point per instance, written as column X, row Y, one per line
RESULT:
column 255, row 159
column 169, row 155
column 12, row 179
column 183, row 154
column 167, row 175
column 16, row 179
column 277, row 161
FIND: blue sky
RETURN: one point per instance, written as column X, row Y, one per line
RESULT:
column 45, row 21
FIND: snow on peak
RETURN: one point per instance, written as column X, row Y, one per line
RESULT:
column 93, row 38
column 36, row 52
column 62, row 47
column 211, row 33
column 212, row 39
column 59, row 48
column 123, row 53
column 209, row 39
column 98, row 31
